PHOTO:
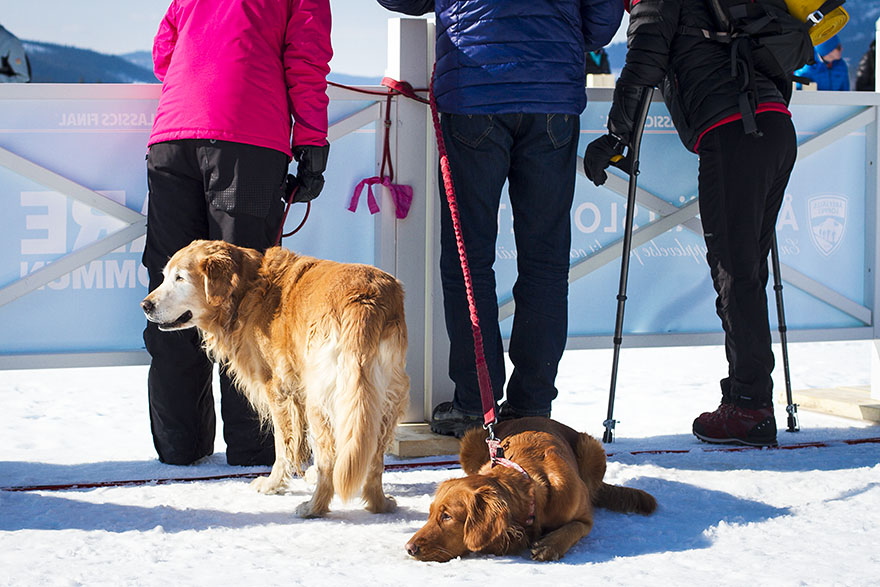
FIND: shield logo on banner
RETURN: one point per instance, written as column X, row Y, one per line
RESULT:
column 827, row 222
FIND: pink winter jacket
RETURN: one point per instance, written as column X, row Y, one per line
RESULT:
column 236, row 70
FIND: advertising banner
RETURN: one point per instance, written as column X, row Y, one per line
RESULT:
column 821, row 233
column 98, row 141
column 101, row 144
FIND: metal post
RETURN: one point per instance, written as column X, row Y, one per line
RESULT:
column 403, row 245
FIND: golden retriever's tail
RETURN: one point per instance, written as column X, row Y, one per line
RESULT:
column 357, row 421
column 372, row 383
column 591, row 465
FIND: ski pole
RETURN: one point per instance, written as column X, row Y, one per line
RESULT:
column 791, row 408
column 630, row 164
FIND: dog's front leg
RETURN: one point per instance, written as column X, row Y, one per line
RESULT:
column 277, row 480
column 555, row 544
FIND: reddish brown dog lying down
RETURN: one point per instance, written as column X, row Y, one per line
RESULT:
column 499, row 510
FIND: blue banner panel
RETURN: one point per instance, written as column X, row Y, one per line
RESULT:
column 821, row 233
column 101, row 144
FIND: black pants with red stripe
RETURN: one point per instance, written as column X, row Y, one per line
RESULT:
column 741, row 184
column 204, row 189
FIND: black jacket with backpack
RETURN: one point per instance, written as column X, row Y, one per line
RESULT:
column 692, row 72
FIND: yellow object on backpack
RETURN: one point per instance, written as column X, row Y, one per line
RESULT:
column 824, row 25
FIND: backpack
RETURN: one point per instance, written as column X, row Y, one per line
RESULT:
column 765, row 36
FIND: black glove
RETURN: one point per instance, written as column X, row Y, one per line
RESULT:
column 598, row 155
column 311, row 163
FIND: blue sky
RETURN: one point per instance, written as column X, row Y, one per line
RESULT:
column 123, row 26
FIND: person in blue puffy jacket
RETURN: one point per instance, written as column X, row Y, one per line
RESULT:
column 509, row 85
column 829, row 72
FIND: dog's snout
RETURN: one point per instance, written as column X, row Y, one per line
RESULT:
column 148, row 306
column 412, row 548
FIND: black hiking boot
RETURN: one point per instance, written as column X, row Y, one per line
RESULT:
column 450, row 421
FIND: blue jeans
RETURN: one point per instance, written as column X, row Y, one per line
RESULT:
column 536, row 154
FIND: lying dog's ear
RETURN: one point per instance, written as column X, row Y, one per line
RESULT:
column 220, row 277
column 487, row 519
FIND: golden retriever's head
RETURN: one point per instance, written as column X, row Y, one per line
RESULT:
column 470, row 514
column 199, row 281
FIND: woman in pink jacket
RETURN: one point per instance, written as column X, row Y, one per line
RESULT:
column 233, row 74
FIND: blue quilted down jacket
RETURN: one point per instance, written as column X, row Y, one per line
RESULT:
column 504, row 56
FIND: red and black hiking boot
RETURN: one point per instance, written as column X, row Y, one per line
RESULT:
column 731, row 424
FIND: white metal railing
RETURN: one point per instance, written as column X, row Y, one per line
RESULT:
column 408, row 248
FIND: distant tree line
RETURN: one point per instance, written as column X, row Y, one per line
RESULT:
column 52, row 63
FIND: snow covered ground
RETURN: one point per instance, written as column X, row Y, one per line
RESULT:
column 758, row 517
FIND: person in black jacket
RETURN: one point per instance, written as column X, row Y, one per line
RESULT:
column 865, row 73
column 742, row 178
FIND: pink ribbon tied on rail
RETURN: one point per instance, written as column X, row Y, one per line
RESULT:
column 401, row 194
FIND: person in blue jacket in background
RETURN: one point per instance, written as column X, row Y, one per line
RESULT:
column 509, row 85
column 829, row 72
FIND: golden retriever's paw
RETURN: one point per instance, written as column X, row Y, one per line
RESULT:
column 307, row 510
column 545, row 552
column 267, row 485
column 387, row 506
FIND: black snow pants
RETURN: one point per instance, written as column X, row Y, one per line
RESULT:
column 741, row 185
column 205, row 189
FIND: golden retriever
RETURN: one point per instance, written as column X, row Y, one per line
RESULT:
column 318, row 347
column 547, row 507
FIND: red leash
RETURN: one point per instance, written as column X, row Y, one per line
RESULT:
column 403, row 88
column 485, row 383
column 281, row 233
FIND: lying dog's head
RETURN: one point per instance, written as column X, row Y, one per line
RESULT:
column 198, row 281
column 470, row 514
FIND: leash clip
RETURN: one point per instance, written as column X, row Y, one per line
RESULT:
column 496, row 452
